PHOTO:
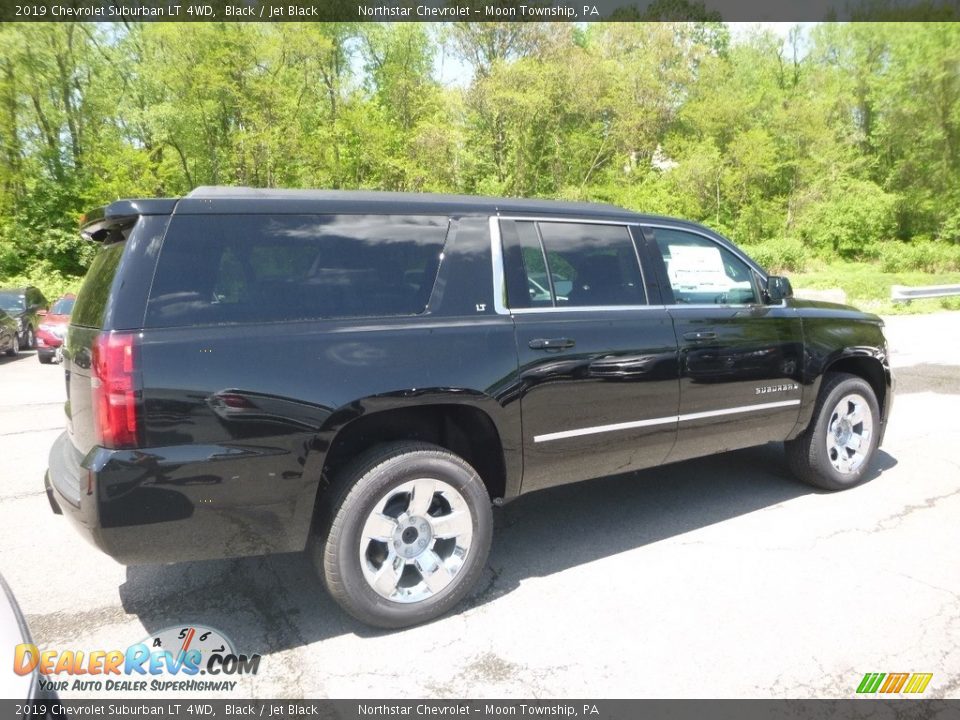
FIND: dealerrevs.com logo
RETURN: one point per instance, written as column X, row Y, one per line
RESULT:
column 183, row 658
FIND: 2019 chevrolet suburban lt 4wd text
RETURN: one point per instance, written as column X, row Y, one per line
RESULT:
column 363, row 374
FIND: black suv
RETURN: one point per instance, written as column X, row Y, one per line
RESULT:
column 364, row 374
column 24, row 304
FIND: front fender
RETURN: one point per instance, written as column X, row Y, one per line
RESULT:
column 849, row 345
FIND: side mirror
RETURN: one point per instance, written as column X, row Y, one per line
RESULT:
column 778, row 288
column 41, row 312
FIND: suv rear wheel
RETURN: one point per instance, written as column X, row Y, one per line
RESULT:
column 408, row 532
column 835, row 451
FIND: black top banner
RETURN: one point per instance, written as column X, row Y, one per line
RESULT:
column 477, row 10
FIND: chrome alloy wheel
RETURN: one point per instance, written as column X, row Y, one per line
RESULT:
column 415, row 540
column 848, row 433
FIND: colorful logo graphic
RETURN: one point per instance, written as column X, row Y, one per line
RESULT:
column 892, row 683
column 179, row 652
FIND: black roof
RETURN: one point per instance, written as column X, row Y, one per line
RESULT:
column 239, row 200
column 216, row 200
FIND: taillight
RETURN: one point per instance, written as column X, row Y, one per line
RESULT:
column 114, row 393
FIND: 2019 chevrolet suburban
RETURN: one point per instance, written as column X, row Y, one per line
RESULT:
column 363, row 374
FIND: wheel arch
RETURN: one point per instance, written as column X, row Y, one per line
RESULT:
column 863, row 362
column 468, row 429
column 870, row 368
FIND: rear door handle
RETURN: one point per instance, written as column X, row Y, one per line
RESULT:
column 551, row 343
column 699, row 335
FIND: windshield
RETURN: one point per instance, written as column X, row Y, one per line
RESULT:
column 12, row 302
column 63, row 306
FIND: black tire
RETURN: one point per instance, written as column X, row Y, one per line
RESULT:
column 14, row 348
column 808, row 455
column 353, row 496
column 29, row 339
column 44, row 359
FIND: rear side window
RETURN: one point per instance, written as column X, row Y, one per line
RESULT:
column 217, row 269
column 13, row 301
column 563, row 264
column 63, row 306
column 92, row 299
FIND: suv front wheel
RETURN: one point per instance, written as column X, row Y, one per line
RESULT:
column 406, row 536
column 836, row 449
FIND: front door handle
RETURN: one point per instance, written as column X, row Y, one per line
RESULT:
column 699, row 335
column 551, row 343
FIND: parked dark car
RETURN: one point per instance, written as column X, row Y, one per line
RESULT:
column 53, row 330
column 9, row 339
column 24, row 304
column 361, row 374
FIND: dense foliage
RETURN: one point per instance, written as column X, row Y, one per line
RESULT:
column 840, row 141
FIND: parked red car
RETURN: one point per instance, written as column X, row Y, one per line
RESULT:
column 53, row 330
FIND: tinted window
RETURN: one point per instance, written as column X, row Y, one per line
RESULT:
column 92, row 299
column 592, row 265
column 12, row 301
column 63, row 306
column 571, row 265
column 258, row 268
column 703, row 272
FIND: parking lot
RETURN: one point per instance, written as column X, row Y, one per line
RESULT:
column 720, row 577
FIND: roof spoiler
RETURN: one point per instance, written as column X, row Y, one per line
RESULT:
column 102, row 224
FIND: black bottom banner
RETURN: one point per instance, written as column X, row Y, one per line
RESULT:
column 483, row 709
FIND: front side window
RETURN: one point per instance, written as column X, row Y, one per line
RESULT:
column 262, row 268
column 701, row 272
column 559, row 264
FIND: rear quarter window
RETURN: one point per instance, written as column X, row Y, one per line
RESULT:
column 91, row 303
column 216, row 269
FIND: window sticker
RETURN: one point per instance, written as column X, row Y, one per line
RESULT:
column 697, row 268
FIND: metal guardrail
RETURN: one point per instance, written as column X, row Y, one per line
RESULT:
column 902, row 293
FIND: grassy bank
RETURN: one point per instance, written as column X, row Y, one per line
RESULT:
column 868, row 287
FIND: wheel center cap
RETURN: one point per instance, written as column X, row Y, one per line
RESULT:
column 412, row 537
column 843, row 431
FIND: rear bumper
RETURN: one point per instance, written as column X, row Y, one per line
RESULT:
column 63, row 481
column 180, row 503
column 50, row 496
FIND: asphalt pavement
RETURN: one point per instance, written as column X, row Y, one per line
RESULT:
column 718, row 577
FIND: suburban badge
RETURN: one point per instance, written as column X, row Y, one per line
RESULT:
column 764, row 389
